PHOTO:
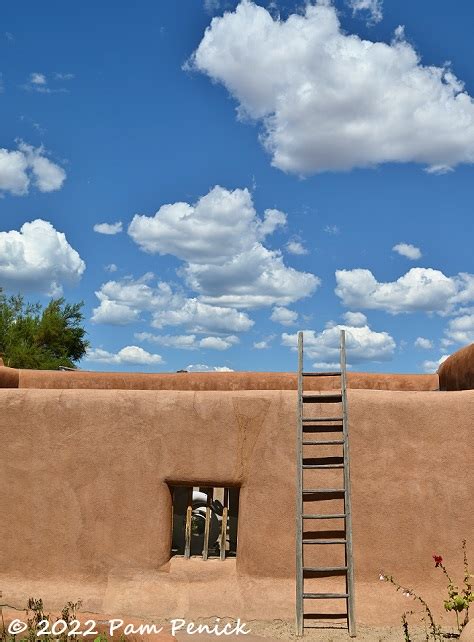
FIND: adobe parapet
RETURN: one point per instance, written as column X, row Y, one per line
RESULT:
column 223, row 381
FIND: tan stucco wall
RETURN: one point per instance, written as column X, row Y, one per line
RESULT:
column 81, row 379
column 457, row 372
column 86, row 510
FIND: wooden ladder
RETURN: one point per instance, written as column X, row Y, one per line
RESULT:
column 312, row 455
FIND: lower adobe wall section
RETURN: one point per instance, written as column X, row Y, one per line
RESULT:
column 86, row 508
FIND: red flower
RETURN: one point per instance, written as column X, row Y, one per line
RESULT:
column 438, row 560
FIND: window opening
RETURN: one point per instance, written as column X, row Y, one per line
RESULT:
column 205, row 521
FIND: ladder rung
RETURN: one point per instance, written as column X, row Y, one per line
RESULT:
column 323, row 398
column 324, row 569
column 324, row 541
column 312, row 466
column 321, row 374
column 311, row 491
column 307, row 429
column 324, row 442
column 324, row 596
column 334, row 516
column 332, row 616
column 320, row 419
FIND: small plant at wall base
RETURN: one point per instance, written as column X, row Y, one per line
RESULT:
column 35, row 619
column 458, row 601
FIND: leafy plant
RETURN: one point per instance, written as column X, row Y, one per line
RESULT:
column 33, row 337
column 35, row 607
column 35, row 614
column 458, row 601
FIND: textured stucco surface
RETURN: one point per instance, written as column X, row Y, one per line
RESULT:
column 468, row 633
column 9, row 377
column 80, row 379
column 86, row 509
column 457, row 372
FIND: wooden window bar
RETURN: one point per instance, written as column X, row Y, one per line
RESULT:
column 205, row 550
column 227, row 528
column 187, row 530
column 223, row 537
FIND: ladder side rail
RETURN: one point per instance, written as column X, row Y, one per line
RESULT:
column 299, row 494
column 347, row 493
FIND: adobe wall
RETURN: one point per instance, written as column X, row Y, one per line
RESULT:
column 457, row 372
column 82, row 379
column 86, row 510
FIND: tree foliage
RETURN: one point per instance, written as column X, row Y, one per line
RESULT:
column 42, row 338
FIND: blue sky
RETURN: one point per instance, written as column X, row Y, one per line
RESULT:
column 263, row 173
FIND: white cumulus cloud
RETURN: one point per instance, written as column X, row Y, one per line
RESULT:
column 114, row 313
column 37, row 79
column 329, row 100
column 47, row 176
column 424, row 344
column 202, row 367
column 332, row 365
column 130, row 355
column 362, row 344
column 123, row 302
column 201, row 317
column 218, row 343
column 371, row 8
column 409, row 251
column 284, row 316
column 420, row 289
column 356, row 319
column 108, row 228
column 432, row 366
column 188, row 341
column 180, row 341
column 461, row 329
column 264, row 343
column 14, row 176
column 26, row 165
column 296, row 247
column 38, row 258
column 39, row 82
column 220, row 239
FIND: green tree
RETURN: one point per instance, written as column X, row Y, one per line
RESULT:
column 43, row 338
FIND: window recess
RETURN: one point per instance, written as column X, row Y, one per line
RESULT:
column 205, row 521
